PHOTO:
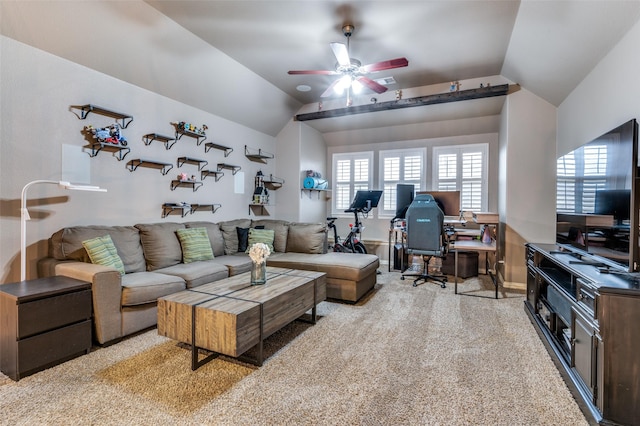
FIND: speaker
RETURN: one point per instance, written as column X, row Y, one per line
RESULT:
column 400, row 258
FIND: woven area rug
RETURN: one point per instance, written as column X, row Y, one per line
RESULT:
column 402, row 355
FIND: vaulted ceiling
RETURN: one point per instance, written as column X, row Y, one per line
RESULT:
column 231, row 58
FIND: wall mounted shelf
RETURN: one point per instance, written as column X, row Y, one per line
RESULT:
column 180, row 132
column 186, row 184
column 311, row 191
column 118, row 151
column 150, row 137
column 125, row 119
column 259, row 156
column 273, row 182
column 210, row 145
column 196, row 162
column 206, row 173
column 205, row 207
column 164, row 168
column 168, row 209
column 185, row 209
column 223, row 166
column 259, row 209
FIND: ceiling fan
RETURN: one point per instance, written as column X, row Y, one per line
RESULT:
column 352, row 71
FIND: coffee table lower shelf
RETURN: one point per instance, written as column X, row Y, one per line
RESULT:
column 229, row 317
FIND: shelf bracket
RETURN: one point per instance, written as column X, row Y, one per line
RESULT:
column 178, row 183
column 209, row 145
column 125, row 119
column 206, row 207
column 118, row 151
column 206, row 173
column 234, row 169
column 150, row 137
column 164, row 168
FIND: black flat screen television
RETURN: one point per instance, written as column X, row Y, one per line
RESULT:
column 597, row 197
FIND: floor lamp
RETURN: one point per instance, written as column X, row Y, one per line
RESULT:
column 24, row 215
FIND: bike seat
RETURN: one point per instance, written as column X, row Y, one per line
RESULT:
column 332, row 218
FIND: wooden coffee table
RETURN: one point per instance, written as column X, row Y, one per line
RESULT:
column 231, row 316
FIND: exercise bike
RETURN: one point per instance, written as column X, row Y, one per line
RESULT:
column 351, row 244
column 363, row 202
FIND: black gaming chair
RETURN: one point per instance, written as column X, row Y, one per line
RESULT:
column 426, row 236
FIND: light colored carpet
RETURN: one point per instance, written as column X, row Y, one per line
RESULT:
column 403, row 355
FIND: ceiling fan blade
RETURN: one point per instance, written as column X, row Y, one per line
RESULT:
column 376, row 87
column 385, row 65
column 329, row 90
column 319, row 72
column 342, row 54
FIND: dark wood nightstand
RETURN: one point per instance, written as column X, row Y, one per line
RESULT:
column 43, row 322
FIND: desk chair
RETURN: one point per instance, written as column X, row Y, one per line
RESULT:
column 426, row 236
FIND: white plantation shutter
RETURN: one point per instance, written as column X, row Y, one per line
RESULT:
column 399, row 166
column 463, row 168
column 351, row 172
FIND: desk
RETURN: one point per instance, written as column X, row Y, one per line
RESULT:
column 474, row 245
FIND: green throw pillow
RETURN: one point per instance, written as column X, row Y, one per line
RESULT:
column 101, row 251
column 261, row 236
column 195, row 244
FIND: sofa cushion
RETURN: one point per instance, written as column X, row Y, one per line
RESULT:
column 160, row 244
column 215, row 235
column 197, row 273
column 261, row 236
column 101, row 251
column 307, row 238
column 344, row 266
column 66, row 244
column 145, row 287
column 230, row 233
column 195, row 244
column 235, row 263
column 281, row 229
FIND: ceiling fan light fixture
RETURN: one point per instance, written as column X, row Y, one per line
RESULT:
column 343, row 83
column 357, row 87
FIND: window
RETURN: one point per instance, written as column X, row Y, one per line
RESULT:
column 463, row 168
column 351, row 172
column 399, row 166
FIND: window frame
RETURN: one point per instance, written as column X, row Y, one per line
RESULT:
column 351, row 156
column 460, row 150
column 403, row 153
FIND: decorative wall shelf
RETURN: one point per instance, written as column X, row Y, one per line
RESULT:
column 125, row 119
column 118, row 151
column 312, row 190
column 259, row 209
column 273, row 182
column 164, row 168
column 185, row 209
column 210, row 145
column 196, row 162
column 180, row 132
column 150, row 137
column 223, row 166
column 206, row 173
column 168, row 209
column 186, row 184
column 259, row 156
column 205, row 207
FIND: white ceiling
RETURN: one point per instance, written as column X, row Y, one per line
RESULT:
column 545, row 46
column 236, row 65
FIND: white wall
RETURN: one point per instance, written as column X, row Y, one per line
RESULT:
column 606, row 98
column 37, row 91
column 527, row 179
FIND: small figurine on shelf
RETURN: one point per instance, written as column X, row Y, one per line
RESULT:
column 182, row 177
column 260, row 193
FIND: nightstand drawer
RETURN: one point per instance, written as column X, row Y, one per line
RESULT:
column 47, row 314
column 44, row 350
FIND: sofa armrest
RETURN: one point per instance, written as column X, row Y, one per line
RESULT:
column 106, row 288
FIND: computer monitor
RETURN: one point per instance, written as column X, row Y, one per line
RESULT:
column 404, row 197
column 448, row 201
column 615, row 202
column 364, row 201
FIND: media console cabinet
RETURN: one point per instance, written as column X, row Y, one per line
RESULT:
column 587, row 313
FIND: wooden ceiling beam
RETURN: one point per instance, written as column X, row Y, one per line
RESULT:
column 438, row 98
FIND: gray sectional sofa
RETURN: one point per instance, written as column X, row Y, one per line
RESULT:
column 153, row 266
